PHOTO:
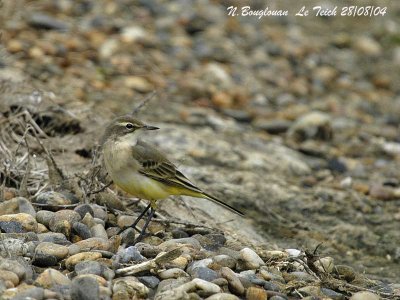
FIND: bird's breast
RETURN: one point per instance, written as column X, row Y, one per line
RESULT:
column 123, row 170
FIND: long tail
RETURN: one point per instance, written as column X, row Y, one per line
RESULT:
column 223, row 204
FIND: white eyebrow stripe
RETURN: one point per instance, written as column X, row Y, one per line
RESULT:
column 126, row 123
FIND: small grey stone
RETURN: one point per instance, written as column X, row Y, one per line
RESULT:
column 82, row 230
column 13, row 266
column 44, row 260
column 94, row 267
column 332, row 294
column 13, row 247
column 25, row 206
column 54, row 237
column 82, row 209
column 130, row 254
column 43, row 21
column 300, row 276
column 225, row 261
column 178, row 234
column 85, row 288
column 11, row 227
column 234, row 283
column 272, row 126
column 204, row 273
column 149, row 281
column 270, row 286
column 44, row 217
column 197, row 264
column 257, row 281
column 148, row 251
column 277, row 298
column 36, row 293
column 174, row 242
column 55, row 199
column 128, row 236
column 98, row 230
column 99, row 212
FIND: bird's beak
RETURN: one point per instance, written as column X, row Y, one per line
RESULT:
column 148, row 127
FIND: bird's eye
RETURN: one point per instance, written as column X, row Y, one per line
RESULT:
column 129, row 126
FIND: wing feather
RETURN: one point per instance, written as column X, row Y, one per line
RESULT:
column 156, row 166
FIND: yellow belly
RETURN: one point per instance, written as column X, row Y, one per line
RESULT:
column 142, row 187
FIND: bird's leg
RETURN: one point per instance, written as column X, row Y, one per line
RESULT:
column 140, row 216
column 142, row 233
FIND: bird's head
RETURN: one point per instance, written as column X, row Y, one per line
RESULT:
column 125, row 127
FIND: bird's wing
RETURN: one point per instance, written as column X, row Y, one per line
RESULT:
column 155, row 165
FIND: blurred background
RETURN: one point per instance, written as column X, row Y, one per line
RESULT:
column 294, row 120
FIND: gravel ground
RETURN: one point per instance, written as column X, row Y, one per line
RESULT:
column 293, row 120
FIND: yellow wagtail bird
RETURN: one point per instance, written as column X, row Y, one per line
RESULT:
column 143, row 171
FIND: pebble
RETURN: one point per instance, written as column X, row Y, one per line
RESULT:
column 235, row 285
column 364, row 296
column 277, row 298
column 83, row 209
column 313, row 125
column 178, row 234
column 77, row 258
column 172, row 273
column 204, row 273
column 54, row 237
column 13, row 247
column 168, row 245
column 62, row 221
column 44, row 260
column 270, row 286
column 94, row 267
column 124, row 221
column 203, row 263
column 9, row 276
column 25, row 206
column 332, row 294
column 129, row 254
column 18, row 266
column 299, row 276
column 44, row 21
column 128, row 236
column 85, row 288
column 345, row 272
column 147, row 250
column 225, row 261
column 180, row 262
column 54, row 200
column 325, row 264
column 129, row 286
column 368, row 46
column 181, row 292
column 44, row 217
column 251, row 258
column 272, row 126
column 9, row 207
column 88, row 220
column 51, row 277
column 94, row 243
column 254, row 293
column 29, row 292
column 149, row 281
column 59, row 251
column 110, row 201
column 99, row 212
column 99, row 231
column 222, row 296
column 82, row 230
column 20, row 222
column 293, row 252
column 211, row 242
